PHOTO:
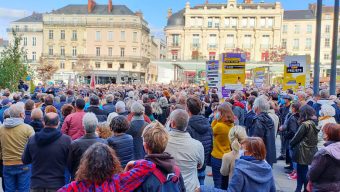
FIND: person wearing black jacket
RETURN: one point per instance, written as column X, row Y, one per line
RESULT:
column 289, row 128
column 250, row 115
column 200, row 129
column 47, row 151
column 263, row 127
column 79, row 146
column 284, row 110
column 94, row 108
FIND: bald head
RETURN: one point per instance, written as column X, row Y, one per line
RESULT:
column 51, row 120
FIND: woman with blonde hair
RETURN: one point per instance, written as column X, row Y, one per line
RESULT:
column 221, row 125
column 50, row 109
column 104, row 130
column 236, row 135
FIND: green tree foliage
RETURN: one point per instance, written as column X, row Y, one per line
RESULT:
column 12, row 66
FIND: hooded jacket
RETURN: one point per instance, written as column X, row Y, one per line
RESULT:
column 325, row 168
column 166, row 164
column 200, row 129
column 252, row 176
column 14, row 135
column 37, row 125
column 304, row 143
column 263, row 127
column 47, row 151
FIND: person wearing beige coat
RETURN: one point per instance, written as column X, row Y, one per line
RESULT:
column 236, row 135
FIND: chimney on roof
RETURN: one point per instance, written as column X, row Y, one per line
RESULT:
column 206, row 1
column 169, row 13
column 90, row 5
column 248, row 1
column 109, row 7
column 139, row 14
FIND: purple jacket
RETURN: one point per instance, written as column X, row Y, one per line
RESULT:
column 325, row 168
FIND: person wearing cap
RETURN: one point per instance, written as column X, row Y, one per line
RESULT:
column 284, row 110
column 5, row 105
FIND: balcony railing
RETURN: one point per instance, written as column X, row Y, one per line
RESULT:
column 24, row 30
column 174, row 45
column 195, row 45
column 132, row 25
column 212, row 46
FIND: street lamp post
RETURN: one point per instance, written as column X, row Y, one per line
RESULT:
column 334, row 47
column 317, row 48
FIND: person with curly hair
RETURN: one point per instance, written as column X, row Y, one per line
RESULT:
column 100, row 170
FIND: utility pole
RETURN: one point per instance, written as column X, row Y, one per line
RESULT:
column 316, row 82
column 334, row 48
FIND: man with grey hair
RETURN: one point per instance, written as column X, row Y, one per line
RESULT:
column 188, row 152
column 324, row 100
column 14, row 134
column 263, row 127
column 121, row 108
column 47, row 152
column 79, row 146
column 109, row 106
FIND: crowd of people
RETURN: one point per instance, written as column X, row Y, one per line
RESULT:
column 163, row 138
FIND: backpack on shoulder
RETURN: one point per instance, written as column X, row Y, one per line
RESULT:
column 169, row 183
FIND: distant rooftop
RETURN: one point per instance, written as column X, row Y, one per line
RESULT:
column 97, row 10
column 35, row 17
column 298, row 15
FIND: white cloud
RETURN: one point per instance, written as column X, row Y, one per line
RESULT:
column 12, row 14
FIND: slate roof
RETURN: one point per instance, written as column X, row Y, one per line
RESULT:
column 298, row 15
column 176, row 19
column 97, row 10
column 35, row 17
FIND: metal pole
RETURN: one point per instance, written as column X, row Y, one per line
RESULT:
column 317, row 48
column 334, row 48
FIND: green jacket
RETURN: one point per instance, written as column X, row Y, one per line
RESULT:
column 304, row 143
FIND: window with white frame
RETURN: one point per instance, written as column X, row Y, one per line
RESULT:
column 74, row 35
column 270, row 22
column 252, row 22
column 62, row 65
column 327, row 42
column 327, row 29
column 110, row 36
column 134, row 38
column 308, row 43
column 122, row 51
column 74, row 51
column 227, row 22
column 34, row 41
column 34, row 56
column 309, row 28
column 97, row 35
column 50, row 50
column 263, row 22
column 284, row 43
column 25, row 41
column 210, row 22
column 296, row 29
column 62, row 34
column 97, row 51
column 62, row 51
column 50, row 34
column 97, row 64
column 233, row 22
column 212, row 41
column 230, row 41
column 244, row 22
column 195, row 40
column 109, row 51
column 122, row 35
column 326, row 56
column 265, row 41
column 284, row 28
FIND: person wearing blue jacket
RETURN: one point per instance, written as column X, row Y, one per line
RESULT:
column 252, row 173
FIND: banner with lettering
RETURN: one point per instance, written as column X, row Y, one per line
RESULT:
column 233, row 72
column 296, row 72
